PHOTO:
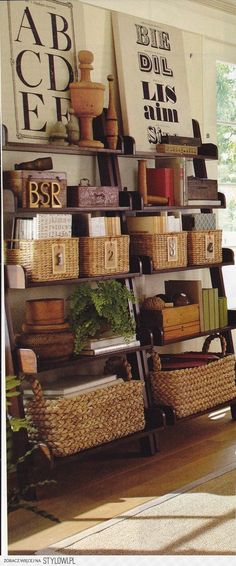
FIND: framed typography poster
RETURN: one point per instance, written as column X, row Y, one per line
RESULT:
column 40, row 42
column 152, row 80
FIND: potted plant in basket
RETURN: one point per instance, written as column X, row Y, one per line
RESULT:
column 101, row 309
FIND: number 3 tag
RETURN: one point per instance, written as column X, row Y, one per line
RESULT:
column 111, row 255
column 172, row 248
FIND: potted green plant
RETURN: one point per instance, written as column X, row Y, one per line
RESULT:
column 94, row 310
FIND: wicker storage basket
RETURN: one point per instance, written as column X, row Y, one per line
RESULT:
column 39, row 258
column 204, row 247
column 195, row 389
column 165, row 250
column 69, row 425
column 103, row 255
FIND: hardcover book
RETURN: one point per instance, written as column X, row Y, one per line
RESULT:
column 74, row 386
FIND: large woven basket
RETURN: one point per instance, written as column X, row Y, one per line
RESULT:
column 69, row 425
column 103, row 255
column 204, row 247
column 196, row 389
column 165, row 250
column 38, row 258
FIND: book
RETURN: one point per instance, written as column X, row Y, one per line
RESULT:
column 178, row 164
column 109, row 349
column 160, row 182
column 177, row 148
column 144, row 224
column 211, row 309
column 94, row 343
column 68, row 387
column 223, row 311
column 206, row 313
column 193, row 290
column 216, row 307
column 52, row 226
column 205, row 202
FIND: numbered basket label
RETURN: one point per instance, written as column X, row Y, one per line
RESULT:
column 172, row 248
column 111, row 255
column 209, row 246
column 58, row 259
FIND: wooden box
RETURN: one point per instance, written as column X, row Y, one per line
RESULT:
column 173, row 322
column 37, row 189
column 202, row 189
column 87, row 197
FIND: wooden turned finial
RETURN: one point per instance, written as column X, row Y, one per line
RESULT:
column 111, row 127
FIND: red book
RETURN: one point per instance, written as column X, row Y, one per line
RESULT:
column 160, row 182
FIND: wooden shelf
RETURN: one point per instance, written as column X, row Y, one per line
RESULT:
column 147, row 267
column 159, row 341
column 16, row 278
column 60, row 149
column 171, row 417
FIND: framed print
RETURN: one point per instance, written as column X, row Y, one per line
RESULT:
column 152, row 80
column 39, row 55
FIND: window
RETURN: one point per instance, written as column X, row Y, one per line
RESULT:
column 226, row 141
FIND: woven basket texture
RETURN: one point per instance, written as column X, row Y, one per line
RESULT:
column 197, row 389
column 156, row 247
column 69, row 425
column 53, row 345
column 197, row 247
column 37, row 258
column 92, row 252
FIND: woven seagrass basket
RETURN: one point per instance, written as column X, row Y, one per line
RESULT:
column 196, row 389
column 165, row 250
column 204, row 246
column 103, row 255
column 38, row 257
column 69, row 425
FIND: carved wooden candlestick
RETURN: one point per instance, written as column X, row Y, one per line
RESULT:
column 111, row 127
column 87, row 99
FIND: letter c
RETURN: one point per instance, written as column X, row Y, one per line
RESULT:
column 19, row 67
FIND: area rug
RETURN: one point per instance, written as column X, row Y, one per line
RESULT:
column 199, row 518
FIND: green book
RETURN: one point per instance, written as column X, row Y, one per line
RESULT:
column 216, row 307
column 211, row 309
column 223, row 312
column 206, row 314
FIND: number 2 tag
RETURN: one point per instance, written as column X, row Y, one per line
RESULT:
column 111, row 254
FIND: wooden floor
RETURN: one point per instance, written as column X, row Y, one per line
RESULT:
column 100, row 486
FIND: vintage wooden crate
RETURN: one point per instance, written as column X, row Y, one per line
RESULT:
column 69, row 425
column 167, row 250
column 204, row 247
column 173, row 322
column 84, row 196
column 45, row 260
column 202, row 189
column 37, row 189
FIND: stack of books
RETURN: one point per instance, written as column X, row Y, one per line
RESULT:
column 155, row 224
column 110, row 344
column 74, row 386
column 90, row 224
column 44, row 226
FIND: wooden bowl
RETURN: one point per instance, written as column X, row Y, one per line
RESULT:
column 45, row 311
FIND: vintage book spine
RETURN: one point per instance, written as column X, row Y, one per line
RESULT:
column 175, row 148
column 211, row 309
column 216, row 307
column 182, row 140
column 206, row 314
column 108, row 349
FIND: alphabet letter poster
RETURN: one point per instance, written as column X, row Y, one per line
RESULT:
column 152, row 80
column 39, row 52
